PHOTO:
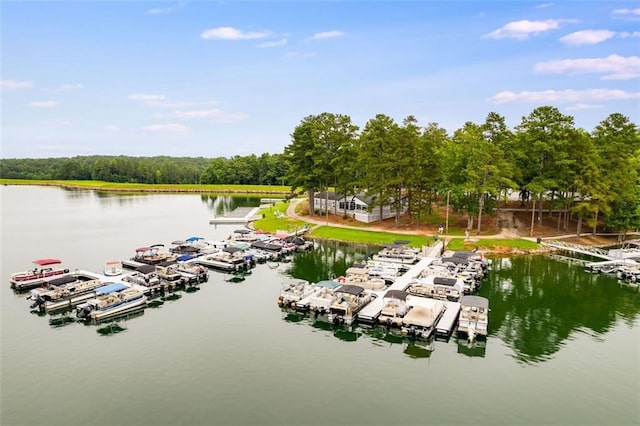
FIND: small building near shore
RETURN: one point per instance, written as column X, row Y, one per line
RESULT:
column 357, row 206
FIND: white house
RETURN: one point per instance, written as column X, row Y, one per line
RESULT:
column 356, row 206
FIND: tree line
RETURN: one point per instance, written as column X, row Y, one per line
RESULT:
column 554, row 166
column 589, row 176
column 266, row 169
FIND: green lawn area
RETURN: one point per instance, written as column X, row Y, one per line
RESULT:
column 274, row 219
column 366, row 237
column 491, row 243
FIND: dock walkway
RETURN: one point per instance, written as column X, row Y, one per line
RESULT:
column 371, row 312
column 447, row 321
column 240, row 215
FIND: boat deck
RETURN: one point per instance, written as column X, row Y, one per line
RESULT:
column 445, row 325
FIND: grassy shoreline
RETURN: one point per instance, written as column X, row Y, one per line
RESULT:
column 275, row 219
column 143, row 187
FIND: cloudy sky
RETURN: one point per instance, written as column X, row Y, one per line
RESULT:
column 226, row 78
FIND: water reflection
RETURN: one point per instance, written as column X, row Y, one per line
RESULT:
column 220, row 204
column 329, row 259
column 477, row 348
column 537, row 304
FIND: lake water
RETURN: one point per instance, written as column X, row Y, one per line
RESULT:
column 564, row 345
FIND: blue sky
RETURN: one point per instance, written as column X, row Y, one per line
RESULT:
column 229, row 78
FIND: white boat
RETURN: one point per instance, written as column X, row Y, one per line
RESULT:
column 144, row 275
column 69, row 294
column 436, row 287
column 112, row 268
column 361, row 277
column 43, row 270
column 229, row 259
column 474, row 317
column 292, row 292
column 394, row 308
column 350, row 299
column 116, row 299
column 322, row 298
column 397, row 254
column 421, row 317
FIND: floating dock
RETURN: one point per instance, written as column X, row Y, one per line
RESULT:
column 371, row 312
column 241, row 215
column 447, row 321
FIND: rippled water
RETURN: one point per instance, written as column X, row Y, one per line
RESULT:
column 563, row 347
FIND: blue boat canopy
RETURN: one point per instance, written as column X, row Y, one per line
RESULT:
column 110, row 288
column 191, row 239
column 328, row 284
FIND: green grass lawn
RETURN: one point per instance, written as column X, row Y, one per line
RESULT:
column 492, row 243
column 366, row 237
column 274, row 219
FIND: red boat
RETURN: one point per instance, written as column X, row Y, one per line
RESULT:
column 43, row 270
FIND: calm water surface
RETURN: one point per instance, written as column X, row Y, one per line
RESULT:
column 564, row 346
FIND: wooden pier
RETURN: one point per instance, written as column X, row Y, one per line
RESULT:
column 577, row 248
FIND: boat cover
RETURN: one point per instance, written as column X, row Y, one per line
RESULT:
column 449, row 282
column 328, row 284
column 185, row 257
column 45, row 262
column 396, row 294
column 110, row 288
column 145, row 269
column 62, row 280
column 351, row 289
column 476, row 301
column 192, row 239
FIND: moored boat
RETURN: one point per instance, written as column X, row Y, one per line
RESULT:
column 423, row 314
column 294, row 291
column 112, row 268
column 350, row 299
column 65, row 296
column 43, row 270
column 115, row 299
column 474, row 317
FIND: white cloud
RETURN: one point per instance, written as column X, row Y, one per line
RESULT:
column 44, row 104
column 274, row 43
column 521, row 30
column 629, row 35
column 635, row 11
column 588, row 37
column 166, row 128
column 230, row 33
column 145, row 97
column 560, row 96
column 160, row 11
column 327, row 34
column 63, row 88
column 111, row 128
column 581, row 107
column 579, row 38
column 543, row 5
column 613, row 67
column 14, row 84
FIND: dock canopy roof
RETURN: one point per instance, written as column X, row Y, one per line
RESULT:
column 242, row 231
column 45, row 262
column 192, row 239
column 356, row 290
column 477, row 301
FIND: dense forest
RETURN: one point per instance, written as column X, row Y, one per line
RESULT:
column 587, row 176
